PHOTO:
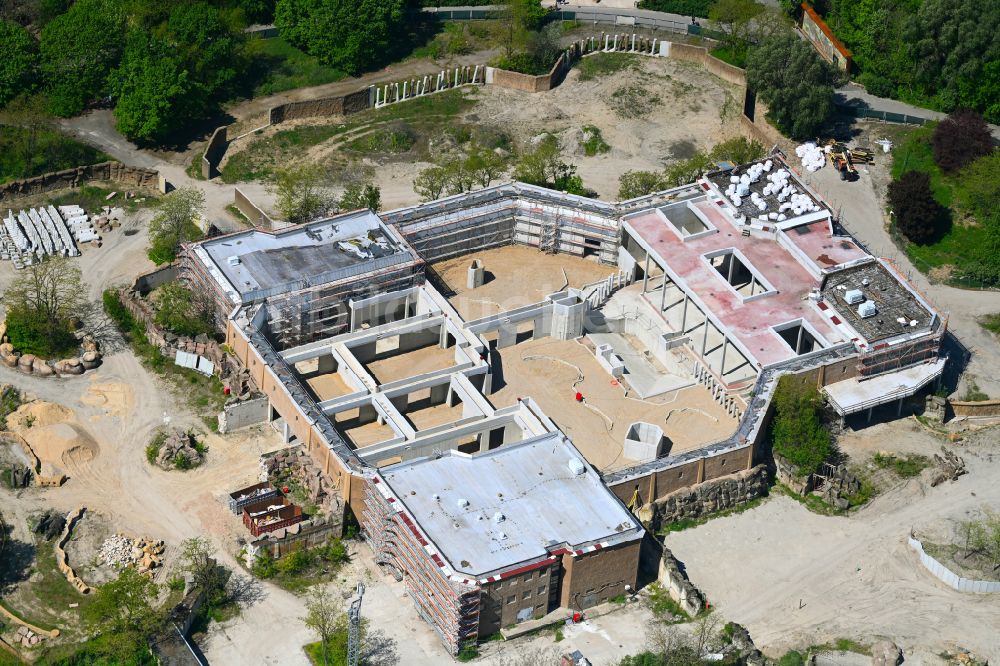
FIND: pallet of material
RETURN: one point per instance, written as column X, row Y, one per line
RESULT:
column 251, row 495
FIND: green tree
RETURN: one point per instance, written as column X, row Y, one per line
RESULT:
column 323, row 615
column 78, row 50
column 739, row 150
column 485, row 166
column 794, row 81
column 351, row 35
column 197, row 561
column 174, row 223
column 42, row 303
column 430, row 183
column 517, row 20
column 633, row 184
column 735, row 20
column 209, row 48
column 797, row 430
column 124, row 617
column 302, row 193
column 181, row 311
column 919, row 216
column 152, row 89
column 361, row 195
column 17, row 60
column 689, row 170
column 544, row 166
column 961, row 138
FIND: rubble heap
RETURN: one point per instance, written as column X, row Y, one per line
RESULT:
column 121, row 551
column 179, row 445
column 20, row 476
column 27, row 637
column 949, row 467
column 50, row 525
column 296, row 467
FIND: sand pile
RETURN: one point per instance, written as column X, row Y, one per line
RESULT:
column 53, row 435
column 38, row 413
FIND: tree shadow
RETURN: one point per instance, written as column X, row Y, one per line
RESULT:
column 380, row 649
column 16, row 559
column 245, row 591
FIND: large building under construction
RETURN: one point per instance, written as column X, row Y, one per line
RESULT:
column 500, row 383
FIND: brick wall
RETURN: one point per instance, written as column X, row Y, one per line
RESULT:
column 595, row 577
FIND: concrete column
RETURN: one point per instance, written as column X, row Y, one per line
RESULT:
column 645, row 274
column 725, row 348
column 367, row 412
column 684, row 316
column 440, row 393
column 633, row 42
column 404, row 89
column 285, row 434
column 732, row 264
column 663, row 292
column 443, row 341
column 870, row 414
column 899, row 408
column 798, row 342
column 488, row 383
column 704, row 339
column 484, row 442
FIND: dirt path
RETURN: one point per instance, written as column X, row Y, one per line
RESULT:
column 796, row 578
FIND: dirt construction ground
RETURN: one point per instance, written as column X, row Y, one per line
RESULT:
column 795, row 578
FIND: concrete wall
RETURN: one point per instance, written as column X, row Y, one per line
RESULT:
column 214, row 152
column 503, row 78
column 980, row 408
column 700, row 55
column 255, row 214
column 595, row 577
column 301, row 535
column 341, row 105
column 81, row 175
column 147, row 282
column 675, row 581
column 243, row 414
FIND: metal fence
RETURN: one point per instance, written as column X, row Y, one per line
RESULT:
column 949, row 577
column 595, row 15
column 885, row 116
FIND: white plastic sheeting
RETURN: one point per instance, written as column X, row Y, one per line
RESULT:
column 812, row 156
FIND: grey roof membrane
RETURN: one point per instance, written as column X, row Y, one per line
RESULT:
column 514, row 504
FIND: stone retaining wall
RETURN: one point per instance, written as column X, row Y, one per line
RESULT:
column 340, row 105
column 81, row 175
column 61, row 559
column 975, row 408
column 243, row 414
column 676, row 583
column 503, row 78
column 709, row 497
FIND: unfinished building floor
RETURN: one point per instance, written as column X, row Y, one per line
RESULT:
column 516, row 275
column 328, row 386
column 552, row 372
column 411, row 363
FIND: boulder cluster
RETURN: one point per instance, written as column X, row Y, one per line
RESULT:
column 50, row 525
column 30, row 364
column 179, row 446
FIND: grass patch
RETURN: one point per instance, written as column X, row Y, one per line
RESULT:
column 811, row 502
column 991, row 323
column 905, row 467
column 302, row 567
column 633, row 101
column 593, row 141
column 843, row 645
column 284, row 67
column 27, row 152
column 732, row 56
column 973, row 393
column 467, row 653
column 239, row 216
column 10, row 400
column 193, row 170
column 603, row 64
column 393, row 140
column 93, row 198
column 259, row 160
column 664, row 607
column 687, row 523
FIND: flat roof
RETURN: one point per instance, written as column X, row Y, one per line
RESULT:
column 518, row 503
column 825, row 249
column 262, row 260
column 750, row 322
column 899, row 310
column 857, row 394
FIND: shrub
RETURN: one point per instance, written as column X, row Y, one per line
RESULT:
column 797, row 430
column 593, row 141
column 738, row 151
column 295, row 562
column 792, row 658
column 181, row 311
column 960, row 139
column 264, row 566
column 632, row 184
column 31, row 335
column 919, row 216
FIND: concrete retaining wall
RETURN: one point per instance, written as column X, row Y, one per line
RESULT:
column 949, row 577
column 341, row 105
column 81, row 175
column 214, row 151
column 243, row 414
column 503, row 78
column 701, row 55
column 256, row 215
column 979, row 408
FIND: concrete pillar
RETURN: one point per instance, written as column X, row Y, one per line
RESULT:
column 899, row 408
column 645, row 274
column 443, row 341
column 606, row 41
column 633, row 42
column 488, row 383
column 401, row 402
column 285, row 434
column 484, row 442
column 367, row 413
column 404, row 89
column 732, row 264
column 663, row 292
column 704, row 339
column 652, row 49
column 798, row 341
column 684, row 316
column 725, row 348
column 567, row 321
column 870, row 414
column 456, row 77
column 475, row 74
column 440, row 393
column 476, row 275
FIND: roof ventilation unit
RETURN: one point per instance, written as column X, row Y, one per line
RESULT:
column 499, row 517
column 463, row 503
column 867, row 309
column 576, row 466
column 854, row 296
column 233, row 260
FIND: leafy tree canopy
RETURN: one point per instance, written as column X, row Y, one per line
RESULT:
column 152, row 89
column 78, row 50
column 961, row 138
column 918, row 215
column 794, row 81
column 351, row 35
column 17, row 57
column 797, row 431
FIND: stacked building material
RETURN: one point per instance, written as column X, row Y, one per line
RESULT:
column 29, row 235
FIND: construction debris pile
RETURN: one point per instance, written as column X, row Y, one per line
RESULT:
column 27, row 637
column 949, row 467
column 179, row 450
column 120, row 551
column 31, row 235
column 813, row 157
